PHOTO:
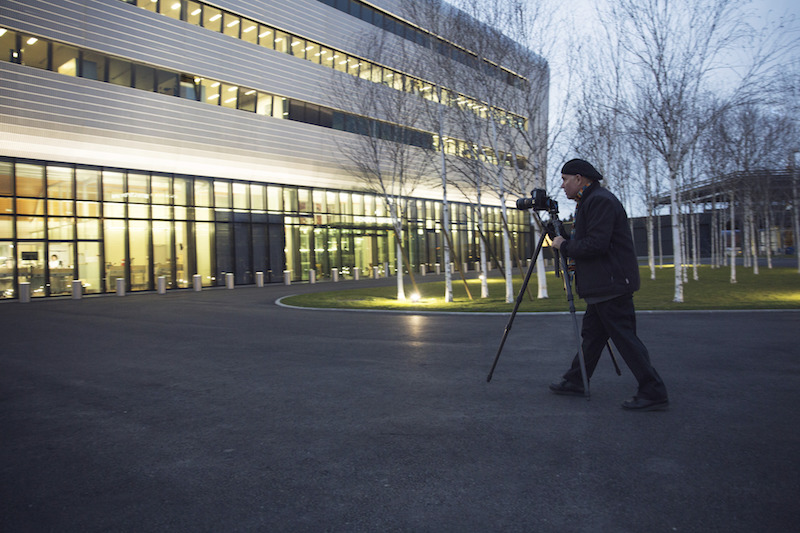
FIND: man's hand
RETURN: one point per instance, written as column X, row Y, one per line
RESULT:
column 557, row 242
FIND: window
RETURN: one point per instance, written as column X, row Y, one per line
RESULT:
column 326, row 57
column 87, row 184
column 202, row 193
column 313, row 54
column 59, row 182
column 340, row 62
column 167, row 82
column 240, row 196
column 233, row 25
column 281, row 41
column 229, row 95
column 194, row 13
column 298, row 47
column 160, row 192
column 212, row 18
column 264, row 106
column 352, row 65
column 144, row 77
column 249, row 31
column 209, row 91
column 30, row 180
column 34, row 52
column 93, row 66
column 266, row 36
column 113, row 186
column 222, row 195
column 150, row 5
column 171, row 8
column 119, row 72
column 6, row 179
column 247, row 99
column 189, row 87
column 65, row 59
column 8, row 46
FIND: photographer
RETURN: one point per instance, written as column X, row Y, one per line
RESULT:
column 606, row 276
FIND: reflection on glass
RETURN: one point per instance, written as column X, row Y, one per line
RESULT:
column 31, row 260
column 60, row 267
column 7, row 263
column 162, row 251
column 89, row 270
column 139, row 232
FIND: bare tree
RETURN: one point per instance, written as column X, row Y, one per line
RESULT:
column 672, row 52
column 388, row 152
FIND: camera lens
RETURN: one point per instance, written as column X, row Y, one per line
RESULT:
column 524, row 203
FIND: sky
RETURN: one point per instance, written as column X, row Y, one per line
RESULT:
column 584, row 13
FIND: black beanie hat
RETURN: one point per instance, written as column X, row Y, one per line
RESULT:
column 579, row 166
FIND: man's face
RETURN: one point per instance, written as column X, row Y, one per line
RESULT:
column 572, row 184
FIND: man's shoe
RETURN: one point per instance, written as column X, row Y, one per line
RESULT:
column 567, row 388
column 643, row 404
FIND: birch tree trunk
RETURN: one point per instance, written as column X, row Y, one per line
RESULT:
column 733, row 237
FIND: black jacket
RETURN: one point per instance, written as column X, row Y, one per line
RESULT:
column 602, row 246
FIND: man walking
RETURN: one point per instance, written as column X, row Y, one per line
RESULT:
column 606, row 276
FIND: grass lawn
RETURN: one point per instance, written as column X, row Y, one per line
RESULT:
column 778, row 288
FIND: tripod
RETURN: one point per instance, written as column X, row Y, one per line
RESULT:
column 556, row 228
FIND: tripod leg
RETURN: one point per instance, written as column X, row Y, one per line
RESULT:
column 516, row 305
column 581, row 358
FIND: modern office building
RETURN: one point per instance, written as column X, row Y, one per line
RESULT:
column 149, row 138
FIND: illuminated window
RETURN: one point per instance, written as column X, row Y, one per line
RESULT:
column 194, row 13
column 171, row 8
column 281, row 41
column 232, row 25
column 249, row 31
column 229, row 96
column 34, row 52
column 150, row 5
column 266, row 36
column 209, row 91
column 65, row 59
column 212, row 18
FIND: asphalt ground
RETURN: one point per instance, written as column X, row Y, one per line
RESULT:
column 222, row 411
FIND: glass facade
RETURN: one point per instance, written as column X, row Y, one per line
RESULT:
column 61, row 222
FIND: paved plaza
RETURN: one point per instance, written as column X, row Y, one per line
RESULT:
column 222, row 411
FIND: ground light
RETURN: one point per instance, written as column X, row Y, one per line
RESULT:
column 415, row 297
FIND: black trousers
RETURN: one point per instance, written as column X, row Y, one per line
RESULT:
column 616, row 319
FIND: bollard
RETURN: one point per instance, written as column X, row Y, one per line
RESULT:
column 357, row 273
column 477, row 266
column 287, row 277
column 77, row 289
column 161, row 282
column 259, row 279
column 452, row 267
column 229, row 281
column 386, row 269
column 24, row 292
column 197, row 282
column 422, row 270
column 376, row 272
column 464, row 267
column 312, row 276
column 120, row 286
column 437, row 268
column 335, row 274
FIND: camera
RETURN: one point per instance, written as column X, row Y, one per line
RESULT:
column 539, row 201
